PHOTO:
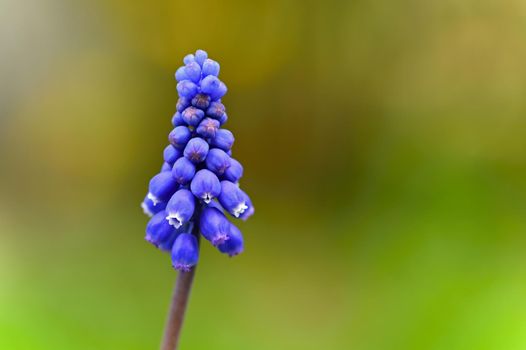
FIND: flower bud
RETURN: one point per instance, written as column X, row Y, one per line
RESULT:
column 205, row 185
column 180, row 74
column 217, row 161
column 193, row 72
column 166, row 167
column 161, row 188
column 216, row 110
column 214, row 226
column 193, row 116
column 183, row 170
column 187, row 89
column 185, row 252
column 179, row 137
column 223, row 139
column 211, row 85
column 219, row 92
column 234, row 245
column 159, row 232
column 171, row 154
column 234, row 172
column 189, row 59
column 233, row 199
column 177, row 119
column 201, row 101
column 249, row 211
column 182, row 103
column 210, row 67
column 208, row 127
column 180, row 208
column 223, row 119
column 196, row 150
column 150, row 209
column 200, row 56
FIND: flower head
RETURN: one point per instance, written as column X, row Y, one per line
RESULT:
column 199, row 179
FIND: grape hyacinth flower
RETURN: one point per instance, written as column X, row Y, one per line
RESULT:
column 198, row 185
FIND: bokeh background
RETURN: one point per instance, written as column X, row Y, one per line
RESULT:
column 384, row 148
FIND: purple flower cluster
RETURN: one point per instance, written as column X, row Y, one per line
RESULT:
column 199, row 180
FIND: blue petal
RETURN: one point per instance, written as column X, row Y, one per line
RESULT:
column 159, row 232
column 180, row 136
column 214, row 226
column 233, row 199
column 185, row 252
column 201, row 101
column 205, row 185
column 189, row 58
column 162, row 187
column 210, row 67
column 180, row 208
column 166, row 167
column 216, row 110
column 150, row 209
column 234, row 171
column 193, row 72
column 183, row 170
column 234, row 245
column 171, row 154
column 177, row 120
column 180, row 74
column 200, row 56
column 208, row 127
column 193, row 116
column 217, row 161
column 196, row 150
column 182, row 103
column 187, row 89
column 223, row 139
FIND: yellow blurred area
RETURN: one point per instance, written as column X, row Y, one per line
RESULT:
column 384, row 150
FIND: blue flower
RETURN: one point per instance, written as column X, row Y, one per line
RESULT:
column 161, row 188
column 214, row 226
column 217, row 161
column 196, row 150
column 188, row 58
column 201, row 101
column 166, row 167
column 179, row 137
column 205, row 185
column 177, row 119
column 150, row 208
column 171, row 154
column 185, row 252
column 234, row 245
column 201, row 56
column 234, row 172
column 199, row 180
column 223, row 139
column 159, row 232
column 207, row 128
column 182, row 103
column 187, row 89
column 216, row 110
column 210, row 67
column 180, row 208
column 193, row 116
column 193, row 72
column 183, row 171
column 233, row 199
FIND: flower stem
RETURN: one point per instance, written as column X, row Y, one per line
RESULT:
column 181, row 294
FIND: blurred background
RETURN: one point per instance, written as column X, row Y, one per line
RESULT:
column 384, row 148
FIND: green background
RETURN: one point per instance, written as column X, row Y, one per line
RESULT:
column 384, row 149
